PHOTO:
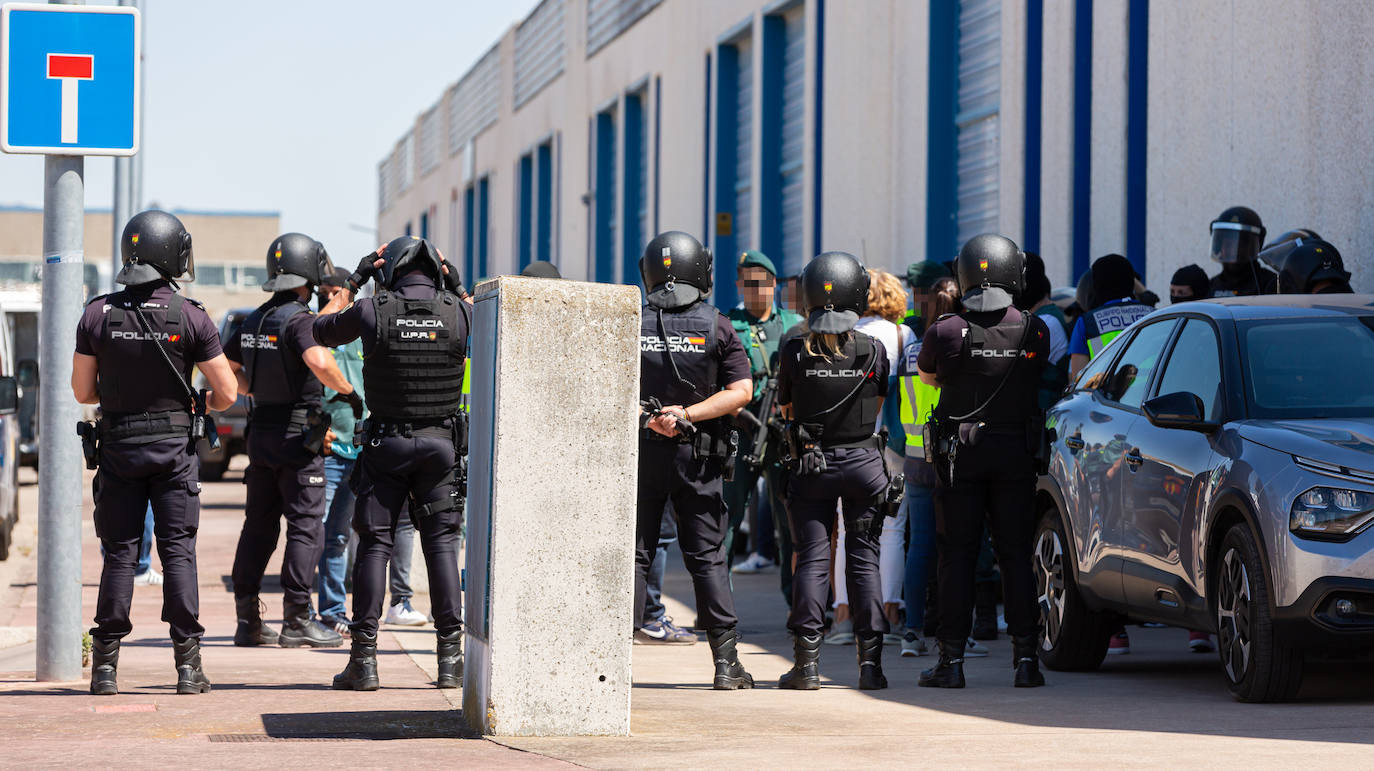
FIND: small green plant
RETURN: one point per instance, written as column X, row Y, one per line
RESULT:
column 85, row 649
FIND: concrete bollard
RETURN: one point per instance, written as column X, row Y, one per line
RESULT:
column 552, row 470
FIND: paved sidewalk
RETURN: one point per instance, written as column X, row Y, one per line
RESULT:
column 1160, row 705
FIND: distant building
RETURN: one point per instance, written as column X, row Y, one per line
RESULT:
column 893, row 129
column 230, row 253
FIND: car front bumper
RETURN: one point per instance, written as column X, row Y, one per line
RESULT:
column 1313, row 621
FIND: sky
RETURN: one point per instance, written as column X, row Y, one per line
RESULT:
column 285, row 105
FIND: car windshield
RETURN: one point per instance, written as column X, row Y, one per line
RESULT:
column 1309, row 368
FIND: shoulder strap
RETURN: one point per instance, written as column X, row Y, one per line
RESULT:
column 1020, row 350
column 868, row 373
column 148, row 328
column 713, row 368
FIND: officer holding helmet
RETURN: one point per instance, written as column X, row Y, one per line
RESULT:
column 1237, row 235
column 984, row 435
column 831, row 385
column 281, row 366
column 694, row 374
column 415, row 334
column 135, row 350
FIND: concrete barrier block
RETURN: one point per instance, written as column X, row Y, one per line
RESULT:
column 550, row 544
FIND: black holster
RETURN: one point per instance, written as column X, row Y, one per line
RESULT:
column 460, row 448
column 89, row 431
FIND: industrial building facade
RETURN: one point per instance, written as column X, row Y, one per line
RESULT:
column 893, row 129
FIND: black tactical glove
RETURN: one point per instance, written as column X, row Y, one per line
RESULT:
column 812, row 461
column 451, row 278
column 365, row 271
column 352, row 399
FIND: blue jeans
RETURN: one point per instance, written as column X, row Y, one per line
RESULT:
column 920, row 551
column 338, row 520
column 653, row 597
column 145, row 549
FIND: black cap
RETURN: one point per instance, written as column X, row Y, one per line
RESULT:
column 339, row 278
column 1113, row 279
column 1195, row 278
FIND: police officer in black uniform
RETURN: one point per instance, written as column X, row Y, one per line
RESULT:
column 987, row 362
column 280, row 364
column 693, row 367
column 415, row 336
column 134, row 353
column 831, row 385
column 1237, row 235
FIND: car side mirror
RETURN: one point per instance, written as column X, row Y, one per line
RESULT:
column 9, row 395
column 1178, row 410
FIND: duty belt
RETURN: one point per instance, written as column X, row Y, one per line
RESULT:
column 289, row 415
column 874, row 441
column 119, row 427
column 378, row 427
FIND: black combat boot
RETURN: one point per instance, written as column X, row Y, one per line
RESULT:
column 251, row 631
column 1025, row 657
column 190, row 677
column 805, row 674
column 948, row 672
column 299, row 630
column 871, row 677
column 104, row 662
column 450, row 660
column 985, row 611
column 730, row 674
column 361, row 672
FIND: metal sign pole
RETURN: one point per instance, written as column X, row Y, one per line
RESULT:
column 59, row 458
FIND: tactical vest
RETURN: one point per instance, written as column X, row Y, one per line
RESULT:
column 990, row 354
column 839, row 395
column 415, row 371
column 135, row 382
column 1055, row 377
column 918, row 402
column 677, row 354
column 1103, row 324
column 275, row 377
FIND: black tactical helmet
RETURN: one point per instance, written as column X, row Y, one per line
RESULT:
column 834, row 289
column 407, row 254
column 1310, row 263
column 1236, row 235
column 676, row 270
column 541, row 269
column 991, row 269
column 295, row 260
column 155, row 245
column 1276, row 252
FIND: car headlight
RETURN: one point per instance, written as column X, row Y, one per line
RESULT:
column 1331, row 513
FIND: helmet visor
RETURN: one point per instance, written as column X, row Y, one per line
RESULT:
column 1235, row 242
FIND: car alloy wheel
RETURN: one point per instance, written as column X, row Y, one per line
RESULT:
column 1049, row 583
column 1233, row 616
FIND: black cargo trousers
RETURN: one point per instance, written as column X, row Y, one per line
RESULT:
column 412, row 473
column 283, row 479
column 165, row 473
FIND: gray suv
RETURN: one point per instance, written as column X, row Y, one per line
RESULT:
column 1213, row 469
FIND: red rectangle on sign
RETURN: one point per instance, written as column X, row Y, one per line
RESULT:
column 70, row 66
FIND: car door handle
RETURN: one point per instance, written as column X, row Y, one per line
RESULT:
column 1134, row 459
column 1074, row 443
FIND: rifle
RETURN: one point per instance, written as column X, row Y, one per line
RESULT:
column 764, row 424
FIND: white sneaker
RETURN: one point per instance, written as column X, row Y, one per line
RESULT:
column 973, row 650
column 150, row 578
column 401, row 614
column 841, row 633
column 913, row 645
column 754, row 563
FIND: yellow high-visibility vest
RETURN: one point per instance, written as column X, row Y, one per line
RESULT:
column 918, row 401
column 466, row 404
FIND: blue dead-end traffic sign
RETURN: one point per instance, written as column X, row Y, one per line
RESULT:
column 69, row 79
